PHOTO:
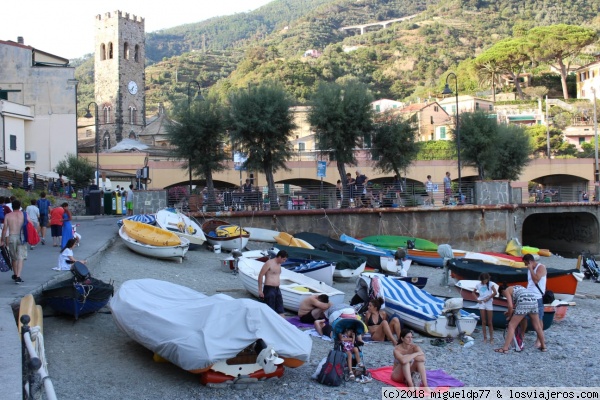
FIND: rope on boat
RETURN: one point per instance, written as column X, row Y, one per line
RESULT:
column 38, row 339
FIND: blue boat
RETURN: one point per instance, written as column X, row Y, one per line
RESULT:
column 149, row 219
column 319, row 270
column 76, row 299
column 366, row 248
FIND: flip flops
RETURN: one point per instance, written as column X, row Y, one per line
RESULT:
column 501, row 351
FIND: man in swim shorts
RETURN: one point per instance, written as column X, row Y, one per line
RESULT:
column 271, row 272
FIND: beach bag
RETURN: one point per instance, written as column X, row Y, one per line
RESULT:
column 547, row 296
column 332, row 372
column 31, row 235
column 5, row 260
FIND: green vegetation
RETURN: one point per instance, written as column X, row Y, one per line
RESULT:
column 79, row 170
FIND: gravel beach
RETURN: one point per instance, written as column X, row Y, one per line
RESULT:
column 93, row 359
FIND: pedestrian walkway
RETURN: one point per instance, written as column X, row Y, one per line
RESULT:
column 98, row 233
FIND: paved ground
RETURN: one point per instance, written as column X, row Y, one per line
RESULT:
column 97, row 234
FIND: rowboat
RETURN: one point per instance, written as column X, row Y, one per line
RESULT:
column 418, row 281
column 392, row 242
column 421, row 311
column 224, row 234
column 562, row 282
column 294, row 287
column 180, row 224
column 261, row 234
column 175, row 252
column 224, row 338
column 321, row 271
column 285, row 239
column 466, row 289
column 430, row 258
column 499, row 318
column 345, row 266
column 150, row 235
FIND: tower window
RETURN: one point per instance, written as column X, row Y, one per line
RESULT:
column 132, row 115
column 110, row 51
column 126, row 51
column 102, row 52
column 106, row 140
column 107, row 115
column 136, row 53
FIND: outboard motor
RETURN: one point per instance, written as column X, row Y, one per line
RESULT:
column 445, row 251
column 451, row 311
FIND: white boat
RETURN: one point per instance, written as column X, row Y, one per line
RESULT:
column 181, row 225
column 199, row 333
column 421, row 311
column 261, row 234
column 349, row 273
column 222, row 233
column 392, row 266
column 294, row 286
column 163, row 252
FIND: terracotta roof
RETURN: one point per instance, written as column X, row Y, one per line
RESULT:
column 413, row 107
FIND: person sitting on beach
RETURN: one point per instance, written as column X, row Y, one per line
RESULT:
column 312, row 309
column 379, row 327
column 347, row 339
column 409, row 362
column 65, row 259
column 520, row 303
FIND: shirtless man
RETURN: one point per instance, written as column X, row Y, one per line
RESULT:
column 271, row 272
column 13, row 222
column 312, row 309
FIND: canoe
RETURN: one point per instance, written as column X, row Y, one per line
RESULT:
column 562, row 282
column 392, row 242
column 217, row 329
column 366, row 248
column 261, row 234
column 430, row 258
column 77, row 299
column 164, row 252
column 499, row 318
column 285, row 239
column 466, row 289
column 149, row 219
column 150, row 235
column 345, row 266
column 325, row 243
column 517, row 261
column 224, row 234
column 180, row 224
column 294, row 287
column 421, row 311
column 493, row 259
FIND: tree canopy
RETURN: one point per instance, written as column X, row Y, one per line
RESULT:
column 79, row 170
column 393, row 145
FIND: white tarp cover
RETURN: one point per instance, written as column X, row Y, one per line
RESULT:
column 194, row 331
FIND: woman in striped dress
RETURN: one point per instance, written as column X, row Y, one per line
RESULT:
column 521, row 302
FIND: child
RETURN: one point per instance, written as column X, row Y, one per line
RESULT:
column 347, row 338
column 66, row 257
column 487, row 291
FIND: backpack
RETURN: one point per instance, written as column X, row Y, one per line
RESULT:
column 332, row 373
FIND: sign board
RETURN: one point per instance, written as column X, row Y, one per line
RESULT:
column 238, row 161
column 321, row 169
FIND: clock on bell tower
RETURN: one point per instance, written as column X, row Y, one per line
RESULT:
column 119, row 76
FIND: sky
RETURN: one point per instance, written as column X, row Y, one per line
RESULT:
column 65, row 28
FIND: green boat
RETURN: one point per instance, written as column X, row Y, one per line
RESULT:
column 392, row 242
column 499, row 319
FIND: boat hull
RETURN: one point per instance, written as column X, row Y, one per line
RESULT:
column 294, row 287
column 180, row 224
column 163, row 252
column 499, row 318
column 77, row 300
column 345, row 266
column 262, row 235
column 150, row 235
column 430, row 258
column 392, row 242
column 232, row 242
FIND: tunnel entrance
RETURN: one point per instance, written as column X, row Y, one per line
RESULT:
column 566, row 234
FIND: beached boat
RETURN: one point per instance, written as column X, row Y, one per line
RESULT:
column 175, row 252
column 494, row 258
column 149, row 219
column 261, row 234
column 392, row 242
column 499, row 318
column 228, row 236
column 285, row 239
column 345, row 266
column 421, row 311
column 318, row 270
column 224, row 337
column 562, row 282
column 78, row 297
column 294, row 286
column 150, row 235
column 180, row 224
column 430, row 258
column 418, row 281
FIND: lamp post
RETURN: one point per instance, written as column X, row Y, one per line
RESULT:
column 447, row 90
column 189, row 103
column 89, row 115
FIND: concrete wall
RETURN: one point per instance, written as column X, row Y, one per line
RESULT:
column 492, row 193
column 149, row 201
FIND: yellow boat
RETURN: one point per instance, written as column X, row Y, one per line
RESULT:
column 28, row 307
column 149, row 234
column 286, row 239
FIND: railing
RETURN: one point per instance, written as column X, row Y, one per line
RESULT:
column 562, row 194
column 35, row 372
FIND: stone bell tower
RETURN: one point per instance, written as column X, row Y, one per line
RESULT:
column 119, row 77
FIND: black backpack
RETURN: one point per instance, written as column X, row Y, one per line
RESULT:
column 332, row 372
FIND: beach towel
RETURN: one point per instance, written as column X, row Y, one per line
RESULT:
column 313, row 332
column 437, row 379
column 295, row 320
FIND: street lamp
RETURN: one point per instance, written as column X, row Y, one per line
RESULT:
column 447, row 90
column 189, row 103
column 596, row 171
column 89, row 115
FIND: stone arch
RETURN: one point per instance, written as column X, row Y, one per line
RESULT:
column 132, row 115
column 560, row 187
column 106, row 143
column 106, row 112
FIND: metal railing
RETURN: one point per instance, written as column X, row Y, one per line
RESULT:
column 35, row 371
